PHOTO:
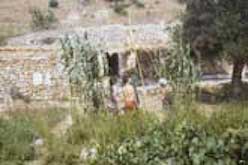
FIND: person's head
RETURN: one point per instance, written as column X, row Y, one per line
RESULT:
column 163, row 82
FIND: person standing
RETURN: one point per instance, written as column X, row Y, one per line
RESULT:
column 129, row 95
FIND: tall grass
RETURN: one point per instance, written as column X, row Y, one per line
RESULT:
column 133, row 138
column 231, row 116
column 104, row 129
column 20, row 129
column 16, row 137
column 97, row 130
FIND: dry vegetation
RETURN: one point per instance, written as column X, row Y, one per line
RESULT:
column 17, row 11
column 15, row 14
column 155, row 10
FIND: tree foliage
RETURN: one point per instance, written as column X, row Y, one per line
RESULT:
column 214, row 24
column 219, row 28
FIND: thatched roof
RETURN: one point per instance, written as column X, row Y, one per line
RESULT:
column 110, row 38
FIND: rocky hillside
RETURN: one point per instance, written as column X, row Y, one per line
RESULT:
column 15, row 17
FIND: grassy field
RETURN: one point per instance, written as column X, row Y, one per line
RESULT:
column 127, row 139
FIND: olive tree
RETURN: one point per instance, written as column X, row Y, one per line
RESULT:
column 219, row 29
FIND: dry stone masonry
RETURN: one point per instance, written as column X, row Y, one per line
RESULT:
column 35, row 72
column 30, row 63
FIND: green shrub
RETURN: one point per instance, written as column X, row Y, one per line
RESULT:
column 42, row 122
column 55, row 150
column 231, row 116
column 121, row 6
column 53, row 3
column 188, row 138
column 16, row 137
column 139, row 3
column 42, row 20
column 95, row 131
column 185, row 137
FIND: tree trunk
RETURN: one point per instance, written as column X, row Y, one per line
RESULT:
column 238, row 67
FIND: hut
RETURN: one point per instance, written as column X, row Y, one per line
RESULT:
column 33, row 62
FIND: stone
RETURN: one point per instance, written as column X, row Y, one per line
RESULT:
column 34, row 67
column 87, row 154
column 35, row 72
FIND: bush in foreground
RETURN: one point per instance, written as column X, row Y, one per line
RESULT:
column 188, row 138
column 16, row 137
column 97, row 130
column 20, row 130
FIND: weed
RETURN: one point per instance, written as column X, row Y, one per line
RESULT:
column 105, row 129
column 16, row 137
column 41, row 20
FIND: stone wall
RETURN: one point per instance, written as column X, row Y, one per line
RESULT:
column 38, row 74
column 35, row 72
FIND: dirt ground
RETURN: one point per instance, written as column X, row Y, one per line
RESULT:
column 14, row 14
